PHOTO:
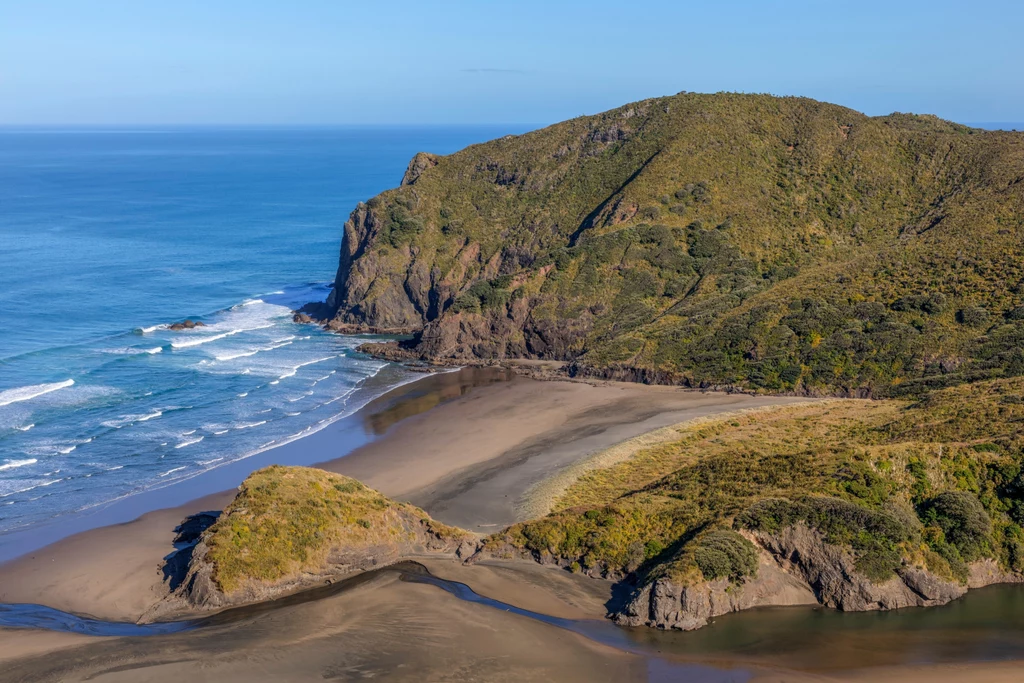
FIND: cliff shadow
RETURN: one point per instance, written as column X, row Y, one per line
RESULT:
column 187, row 535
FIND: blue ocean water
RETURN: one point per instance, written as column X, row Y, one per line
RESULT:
column 107, row 236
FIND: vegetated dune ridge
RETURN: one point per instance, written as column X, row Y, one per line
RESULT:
column 773, row 244
column 854, row 505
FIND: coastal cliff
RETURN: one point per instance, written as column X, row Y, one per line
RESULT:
column 854, row 505
column 290, row 528
column 770, row 244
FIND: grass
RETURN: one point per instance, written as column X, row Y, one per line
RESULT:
column 286, row 520
column 936, row 483
column 777, row 244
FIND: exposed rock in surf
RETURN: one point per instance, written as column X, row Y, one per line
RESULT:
column 186, row 325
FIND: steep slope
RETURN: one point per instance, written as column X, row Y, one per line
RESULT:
column 778, row 244
column 858, row 505
column 295, row 527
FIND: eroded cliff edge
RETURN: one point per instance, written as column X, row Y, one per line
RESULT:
column 773, row 244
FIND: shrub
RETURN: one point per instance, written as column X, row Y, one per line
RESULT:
column 873, row 535
column 725, row 554
column 963, row 520
column 974, row 316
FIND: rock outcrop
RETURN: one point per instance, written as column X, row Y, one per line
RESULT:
column 292, row 528
column 773, row 244
column 796, row 567
column 186, row 325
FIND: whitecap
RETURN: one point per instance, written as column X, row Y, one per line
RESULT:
column 176, row 469
column 247, row 425
column 26, row 427
column 130, row 419
column 208, row 462
column 12, row 464
column 241, row 354
column 222, row 431
column 133, row 351
column 201, row 340
column 243, row 394
column 292, row 414
column 189, row 442
column 29, row 392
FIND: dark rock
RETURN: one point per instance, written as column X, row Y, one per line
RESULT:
column 186, row 325
column 796, row 567
column 420, row 163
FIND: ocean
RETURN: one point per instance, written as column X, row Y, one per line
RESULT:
column 109, row 235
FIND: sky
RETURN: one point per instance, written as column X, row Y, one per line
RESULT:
column 100, row 62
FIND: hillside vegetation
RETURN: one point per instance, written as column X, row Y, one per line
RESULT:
column 290, row 527
column 936, row 484
column 774, row 244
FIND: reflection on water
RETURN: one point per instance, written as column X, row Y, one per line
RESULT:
column 432, row 391
column 986, row 624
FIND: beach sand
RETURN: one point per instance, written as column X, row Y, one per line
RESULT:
column 466, row 461
column 470, row 448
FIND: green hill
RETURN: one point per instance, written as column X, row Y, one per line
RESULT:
column 775, row 244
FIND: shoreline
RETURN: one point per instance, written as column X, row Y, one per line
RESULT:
column 446, row 443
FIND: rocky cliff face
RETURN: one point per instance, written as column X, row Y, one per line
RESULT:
column 773, row 243
column 796, row 567
column 291, row 528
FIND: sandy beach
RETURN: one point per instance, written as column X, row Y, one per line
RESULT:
column 469, row 447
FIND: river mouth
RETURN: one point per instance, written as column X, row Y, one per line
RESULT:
column 984, row 626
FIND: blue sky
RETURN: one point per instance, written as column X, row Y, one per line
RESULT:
column 400, row 62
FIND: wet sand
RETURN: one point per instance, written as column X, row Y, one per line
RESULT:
column 467, row 447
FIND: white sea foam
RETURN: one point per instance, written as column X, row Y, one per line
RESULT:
column 249, row 352
column 208, row 462
column 184, row 344
column 247, row 425
column 292, row 414
column 19, row 486
column 10, row 396
column 176, row 469
column 13, row 464
column 221, row 431
column 243, row 394
column 189, row 442
column 26, row 427
column 133, row 351
column 130, row 419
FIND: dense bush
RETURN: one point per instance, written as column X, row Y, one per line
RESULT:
column 725, row 554
column 963, row 521
column 873, row 535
